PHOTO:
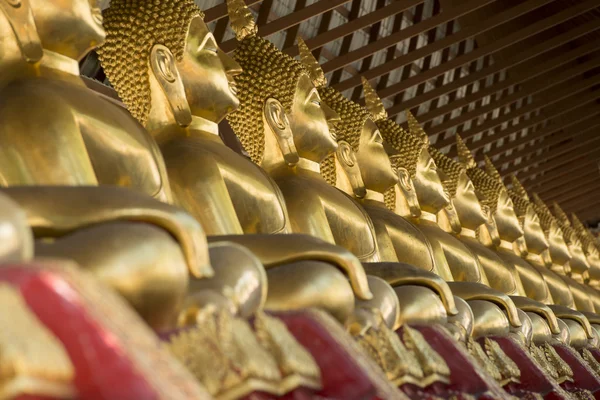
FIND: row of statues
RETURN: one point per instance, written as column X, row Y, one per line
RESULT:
column 341, row 257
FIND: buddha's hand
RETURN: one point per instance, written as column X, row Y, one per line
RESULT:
column 528, row 305
column 399, row 274
column 477, row 291
column 276, row 250
column 53, row 211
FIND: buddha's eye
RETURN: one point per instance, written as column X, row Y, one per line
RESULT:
column 377, row 137
column 316, row 102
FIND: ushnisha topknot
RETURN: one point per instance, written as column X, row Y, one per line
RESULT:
column 267, row 73
column 487, row 186
column 133, row 27
column 519, row 197
column 569, row 233
column 543, row 212
column 415, row 127
column 373, row 103
column 491, row 170
column 586, row 238
column 451, row 168
column 312, row 65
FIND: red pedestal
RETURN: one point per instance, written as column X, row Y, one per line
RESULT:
column 346, row 372
column 114, row 355
column 533, row 378
column 583, row 376
column 466, row 377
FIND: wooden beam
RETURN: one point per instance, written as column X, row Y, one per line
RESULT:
column 414, row 30
column 292, row 19
column 591, row 154
column 517, row 78
column 572, row 186
column 217, row 12
column 568, row 183
column 354, row 25
column 585, row 191
column 464, row 34
column 533, row 88
column 565, row 169
column 347, row 40
column 493, row 47
column 264, row 12
column 581, row 169
column 323, row 27
column 499, row 66
column 292, row 33
column 537, row 142
column 586, row 208
column 573, row 101
column 577, row 142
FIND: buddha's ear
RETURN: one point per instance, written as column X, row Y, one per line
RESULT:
column 408, row 189
column 347, row 158
column 279, row 123
column 164, row 68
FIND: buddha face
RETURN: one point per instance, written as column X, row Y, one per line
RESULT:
column 534, row 234
column 507, row 222
column 430, row 191
column 208, row 75
column 374, row 163
column 579, row 263
column 467, row 204
column 310, row 120
column 559, row 251
column 69, row 27
column 489, row 231
column 593, row 257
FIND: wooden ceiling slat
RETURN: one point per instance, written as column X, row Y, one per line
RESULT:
column 323, row 27
column 584, row 207
column 571, row 186
column 552, row 128
column 264, row 12
column 347, row 40
column 547, row 182
column 447, row 41
column 541, row 85
column 414, row 30
column 533, row 172
column 593, row 188
column 217, row 12
column 292, row 33
column 515, row 78
column 356, row 24
column 391, row 51
column 562, row 185
column 579, row 128
column 513, row 61
column 568, row 169
column 494, row 47
column 290, row 20
column 558, row 151
column 575, row 100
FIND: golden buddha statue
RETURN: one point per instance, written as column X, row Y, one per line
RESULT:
column 287, row 134
column 141, row 246
column 590, row 249
column 536, row 251
column 180, row 87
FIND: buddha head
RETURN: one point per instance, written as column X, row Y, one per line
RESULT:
column 535, row 239
column 418, row 179
column 558, row 249
column 281, row 118
column 590, row 247
column 493, row 194
column 70, row 28
column 174, row 71
column 579, row 263
column 461, row 190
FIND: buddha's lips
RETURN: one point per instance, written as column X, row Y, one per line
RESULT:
column 233, row 87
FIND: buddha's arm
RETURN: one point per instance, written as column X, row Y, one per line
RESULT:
column 199, row 188
column 54, row 211
column 276, row 250
column 567, row 313
column 477, row 291
column 528, row 305
column 399, row 274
